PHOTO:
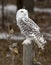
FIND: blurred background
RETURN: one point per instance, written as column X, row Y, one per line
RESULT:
column 40, row 12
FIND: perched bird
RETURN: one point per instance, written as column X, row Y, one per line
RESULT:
column 29, row 28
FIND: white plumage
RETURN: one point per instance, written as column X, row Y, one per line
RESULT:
column 29, row 28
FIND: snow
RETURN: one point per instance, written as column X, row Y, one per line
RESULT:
column 11, row 8
column 8, row 9
column 20, row 37
column 6, row 36
column 45, row 10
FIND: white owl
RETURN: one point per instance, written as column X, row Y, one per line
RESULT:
column 29, row 28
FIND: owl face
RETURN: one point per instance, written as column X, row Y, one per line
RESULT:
column 22, row 13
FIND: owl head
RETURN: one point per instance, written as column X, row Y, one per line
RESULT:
column 21, row 13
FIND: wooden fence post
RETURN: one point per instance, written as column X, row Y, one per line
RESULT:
column 27, row 52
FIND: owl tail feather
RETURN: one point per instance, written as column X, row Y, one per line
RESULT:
column 40, row 42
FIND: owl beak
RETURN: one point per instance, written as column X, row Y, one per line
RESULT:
column 24, row 14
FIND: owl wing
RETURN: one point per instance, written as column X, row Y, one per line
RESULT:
column 31, row 24
column 29, row 27
column 35, row 31
column 24, row 27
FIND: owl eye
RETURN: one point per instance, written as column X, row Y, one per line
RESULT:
column 21, row 11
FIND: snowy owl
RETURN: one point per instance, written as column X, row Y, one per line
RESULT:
column 29, row 28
